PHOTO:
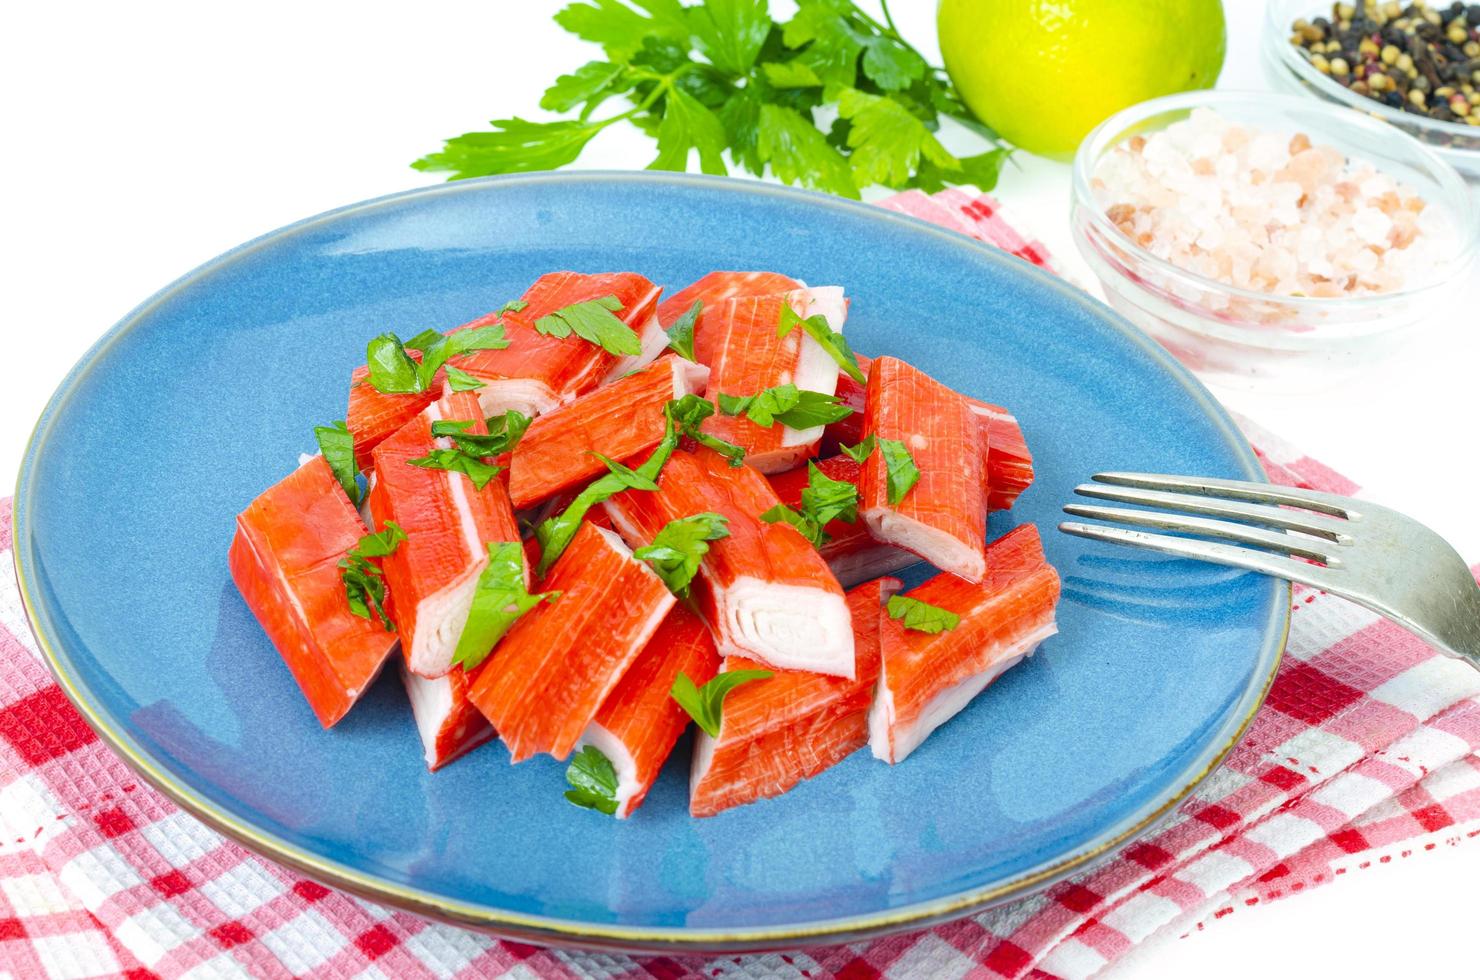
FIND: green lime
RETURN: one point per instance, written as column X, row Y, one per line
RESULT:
column 1043, row 73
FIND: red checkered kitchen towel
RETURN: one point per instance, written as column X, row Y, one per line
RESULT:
column 1366, row 749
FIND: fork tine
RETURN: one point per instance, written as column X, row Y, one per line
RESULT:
column 1329, row 528
column 1227, row 530
column 1256, row 493
column 1222, row 554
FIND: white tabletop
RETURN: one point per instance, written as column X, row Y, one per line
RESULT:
column 145, row 139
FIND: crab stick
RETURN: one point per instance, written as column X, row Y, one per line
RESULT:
column 284, row 560
column 619, row 420
column 448, row 723
column 372, row 415
column 942, row 518
column 850, row 550
column 448, row 524
column 638, row 726
column 555, row 668
column 749, row 356
column 926, row 678
column 538, row 372
column 1007, row 465
column 764, row 590
column 783, row 729
column 713, row 289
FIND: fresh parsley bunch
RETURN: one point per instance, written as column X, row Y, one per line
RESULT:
column 722, row 78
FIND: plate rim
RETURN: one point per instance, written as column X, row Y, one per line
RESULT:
column 569, row 932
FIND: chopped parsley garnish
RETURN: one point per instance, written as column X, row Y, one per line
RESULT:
column 460, row 380
column 364, row 585
column 900, row 469
column 631, row 479
column 498, row 601
column 512, row 306
column 919, row 616
column 689, row 412
column 787, row 404
column 817, row 328
column 338, row 447
column 457, row 461
column 395, row 372
column 504, row 433
column 823, row 501
column 706, row 704
column 861, row 452
column 593, row 781
column 594, row 321
column 679, row 547
column 681, row 334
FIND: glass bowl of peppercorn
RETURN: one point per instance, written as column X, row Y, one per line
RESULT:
column 1271, row 241
column 1415, row 65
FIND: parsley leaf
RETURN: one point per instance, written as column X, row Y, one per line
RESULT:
column 620, row 29
column 457, row 461
column 829, row 340
column 679, row 547
column 787, row 404
column 515, row 146
column 423, row 340
column 706, row 704
column 861, row 452
column 731, row 33
column 586, row 82
column 499, row 599
column 592, row 320
column 364, row 584
column 460, row 380
column 799, row 153
column 891, row 64
column 457, row 343
column 689, row 413
column 888, row 140
column 512, row 306
column 392, row 371
column 338, row 447
column 681, row 334
column 689, row 125
column 593, row 781
column 901, row 471
column 504, row 433
column 630, row 478
column 823, row 501
column 919, row 616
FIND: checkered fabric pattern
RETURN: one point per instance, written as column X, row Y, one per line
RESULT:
column 1365, row 750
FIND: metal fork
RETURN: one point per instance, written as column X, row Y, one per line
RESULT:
column 1371, row 555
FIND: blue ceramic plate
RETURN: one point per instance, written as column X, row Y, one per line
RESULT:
column 206, row 394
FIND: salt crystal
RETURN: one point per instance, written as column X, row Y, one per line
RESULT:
column 1269, row 211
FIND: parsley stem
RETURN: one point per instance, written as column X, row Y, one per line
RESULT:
column 884, row 5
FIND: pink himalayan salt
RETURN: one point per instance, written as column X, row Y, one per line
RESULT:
column 1267, row 211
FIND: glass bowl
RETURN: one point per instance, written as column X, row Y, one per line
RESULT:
column 1288, row 70
column 1247, row 338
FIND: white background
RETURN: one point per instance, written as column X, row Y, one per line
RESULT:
column 142, row 139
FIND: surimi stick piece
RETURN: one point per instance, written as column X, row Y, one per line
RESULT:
column 448, row 723
column 783, row 729
column 555, row 668
column 850, row 550
column 284, row 559
column 1007, row 464
column 449, row 524
column 713, row 289
column 640, row 723
column 749, row 356
column 942, row 518
column 536, row 372
column 925, row 678
column 373, row 415
column 764, row 590
column 619, row 420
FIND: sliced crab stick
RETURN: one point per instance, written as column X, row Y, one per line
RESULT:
column 783, row 729
column 942, row 518
column 620, row 420
column 373, row 415
column 284, row 560
column 713, row 289
column 764, row 590
column 448, row 723
column 926, row 678
column 555, row 668
column 538, row 372
column 850, row 550
column 448, row 523
column 640, row 723
column 1007, row 466
column 750, row 356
